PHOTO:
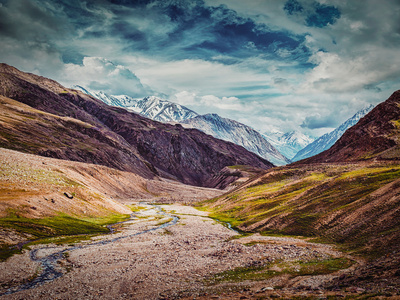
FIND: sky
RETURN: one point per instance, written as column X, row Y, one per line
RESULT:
column 304, row 65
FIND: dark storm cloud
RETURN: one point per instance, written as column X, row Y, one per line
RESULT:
column 323, row 15
column 315, row 15
column 292, row 7
column 194, row 30
column 24, row 20
column 169, row 29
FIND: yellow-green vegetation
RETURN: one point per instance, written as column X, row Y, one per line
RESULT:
column 166, row 232
column 313, row 201
column 164, row 221
column 135, row 208
column 58, row 229
column 268, row 270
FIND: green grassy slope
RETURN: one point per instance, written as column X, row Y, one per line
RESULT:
column 356, row 205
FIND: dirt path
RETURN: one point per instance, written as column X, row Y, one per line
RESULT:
column 169, row 262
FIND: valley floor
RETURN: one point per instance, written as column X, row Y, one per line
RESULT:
column 176, row 252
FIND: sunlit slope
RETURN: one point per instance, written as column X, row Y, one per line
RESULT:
column 357, row 204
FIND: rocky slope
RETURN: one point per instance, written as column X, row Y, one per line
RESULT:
column 147, row 146
column 327, row 140
column 375, row 136
column 288, row 143
column 238, row 133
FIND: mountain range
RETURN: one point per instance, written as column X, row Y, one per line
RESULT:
column 222, row 128
column 288, row 143
column 374, row 136
column 327, row 140
column 347, row 195
column 40, row 116
column 277, row 147
column 151, row 107
column 238, row 133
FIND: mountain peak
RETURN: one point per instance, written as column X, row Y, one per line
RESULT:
column 327, row 140
column 151, row 107
column 238, row 133
column 288, row 143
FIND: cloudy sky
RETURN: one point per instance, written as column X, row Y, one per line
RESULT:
column 306, row 65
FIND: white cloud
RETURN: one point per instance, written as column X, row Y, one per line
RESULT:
column 210, row 103
column 101, row 74
column 198, row 76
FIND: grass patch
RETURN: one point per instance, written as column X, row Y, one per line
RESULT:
column 61, row 229
column 164, row 222
column 297, row 268
column 7, row 251
column 166, row 232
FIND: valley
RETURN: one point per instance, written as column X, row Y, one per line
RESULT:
column 178, row 254
column 97, row 202
column 166, row 249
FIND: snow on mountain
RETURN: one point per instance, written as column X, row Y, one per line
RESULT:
column 161, row 110
column 212, row 124
column 327, row 140
column 238, row 133
column 288, row 143
column 150, row 107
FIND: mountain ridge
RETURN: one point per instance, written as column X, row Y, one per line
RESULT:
column 222, row 128
column 374, row 137
column 152, row 107
column 238, row 133
column 189, row 156
column 328, row 140
column 289, row 143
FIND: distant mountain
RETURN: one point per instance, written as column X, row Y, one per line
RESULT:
column 151, row 107
column 288, row 143
column 327, row 140
column 40, row 116
column 238, row 133
column 160, row 110
column 225, row 129
column 376, row 136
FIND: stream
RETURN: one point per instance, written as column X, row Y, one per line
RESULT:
column 49, row 263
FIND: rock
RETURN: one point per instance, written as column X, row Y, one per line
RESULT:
column 275, row 295
column 268, row 288
column 69, row 196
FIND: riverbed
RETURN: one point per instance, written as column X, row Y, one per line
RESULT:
column 168, row 251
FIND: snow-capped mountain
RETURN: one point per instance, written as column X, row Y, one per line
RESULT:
column 160, row 110
column 212, row 124
column 327, row 140
column 238, row 133
column 288, row 143
column 108, row 99
column 150, row 107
